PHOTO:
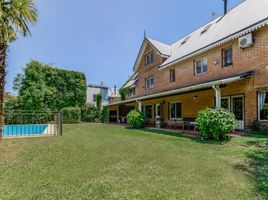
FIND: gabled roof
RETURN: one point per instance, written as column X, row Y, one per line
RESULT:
column 242, row 19
column 163, row 49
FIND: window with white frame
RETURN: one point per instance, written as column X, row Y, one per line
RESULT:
column 201, row 66
column 149, row 82
column 149, row 58
column 263, row 106
column 227, row 57
column 175, row 110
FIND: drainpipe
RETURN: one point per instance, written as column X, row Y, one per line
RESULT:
column 139, row 105
column 218, row 95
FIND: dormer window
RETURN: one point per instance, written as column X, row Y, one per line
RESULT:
column 149, row 58
column 206, row 29
column 185, row 40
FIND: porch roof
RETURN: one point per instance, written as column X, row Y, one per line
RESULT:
column 189, row 88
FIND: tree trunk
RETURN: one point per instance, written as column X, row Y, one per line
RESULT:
column 3, row 53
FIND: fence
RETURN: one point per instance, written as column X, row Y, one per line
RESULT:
column 32, row 123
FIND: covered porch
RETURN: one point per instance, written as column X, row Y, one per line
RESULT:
column 178, row 108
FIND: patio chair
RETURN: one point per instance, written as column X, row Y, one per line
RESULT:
column 180, row 124
column 171, row 123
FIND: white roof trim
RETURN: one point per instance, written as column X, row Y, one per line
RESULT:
column 185, row 89
column 130, row 83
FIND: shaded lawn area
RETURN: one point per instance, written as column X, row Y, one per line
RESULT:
column 94, row 161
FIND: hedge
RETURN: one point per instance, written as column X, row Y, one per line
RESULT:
column 71, row 115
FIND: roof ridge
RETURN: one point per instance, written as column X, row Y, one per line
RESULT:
column 158, row 41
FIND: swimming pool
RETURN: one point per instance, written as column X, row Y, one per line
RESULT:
column 24, row 130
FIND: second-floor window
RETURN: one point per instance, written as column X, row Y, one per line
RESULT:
column 201, row 66
column 149, row 58
column 172, row 75
column 149, row 83
column 132, row 91
column 227, row 57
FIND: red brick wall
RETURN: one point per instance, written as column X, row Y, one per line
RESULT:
column 252, row 58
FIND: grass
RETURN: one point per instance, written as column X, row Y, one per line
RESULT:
column 94, row 161
column 256, row 135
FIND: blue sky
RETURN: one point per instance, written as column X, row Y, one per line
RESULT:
column 102, row 37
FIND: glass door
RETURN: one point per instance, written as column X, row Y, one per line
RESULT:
column 238, row 110
column 158, row 111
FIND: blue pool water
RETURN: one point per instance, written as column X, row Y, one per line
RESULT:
column 24, row 130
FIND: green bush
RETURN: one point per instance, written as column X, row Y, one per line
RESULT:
column 98, row 102
column 136, row 119
column 89, row 113
column 105, row 114
column 71, row 115
column 216, row 123
column 123, row 93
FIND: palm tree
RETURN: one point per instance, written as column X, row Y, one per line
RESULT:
column 15, row 16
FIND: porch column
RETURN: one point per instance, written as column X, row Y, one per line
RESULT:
column 218, row 95
column 139, row 105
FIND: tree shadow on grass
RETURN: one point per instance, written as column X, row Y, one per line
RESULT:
column 196, row 139
column 256, row 165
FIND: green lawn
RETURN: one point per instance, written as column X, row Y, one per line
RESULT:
column 112, row 162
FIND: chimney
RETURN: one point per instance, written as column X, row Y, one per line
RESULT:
column 225, row 6
column 115, row 90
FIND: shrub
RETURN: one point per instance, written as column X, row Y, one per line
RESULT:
column 123, row 93
column 105, row 114
column 71, row 115
column 98, row 101
column 136, row 119
column 89, row 113
column 216, row 123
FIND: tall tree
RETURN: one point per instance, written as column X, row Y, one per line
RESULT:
column 15, row 17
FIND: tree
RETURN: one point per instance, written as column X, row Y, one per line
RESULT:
column 15, row 16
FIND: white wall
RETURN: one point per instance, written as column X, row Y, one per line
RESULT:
column 90, row 94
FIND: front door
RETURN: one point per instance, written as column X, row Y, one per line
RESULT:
column 238, row 110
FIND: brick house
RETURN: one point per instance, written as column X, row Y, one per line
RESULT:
column 222, row 64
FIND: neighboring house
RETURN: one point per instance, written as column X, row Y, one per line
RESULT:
column 108, row 94
column 113, row 94
column 222, row 64
column 94, row 89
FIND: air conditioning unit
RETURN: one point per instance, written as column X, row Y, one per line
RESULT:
column 246, row 41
